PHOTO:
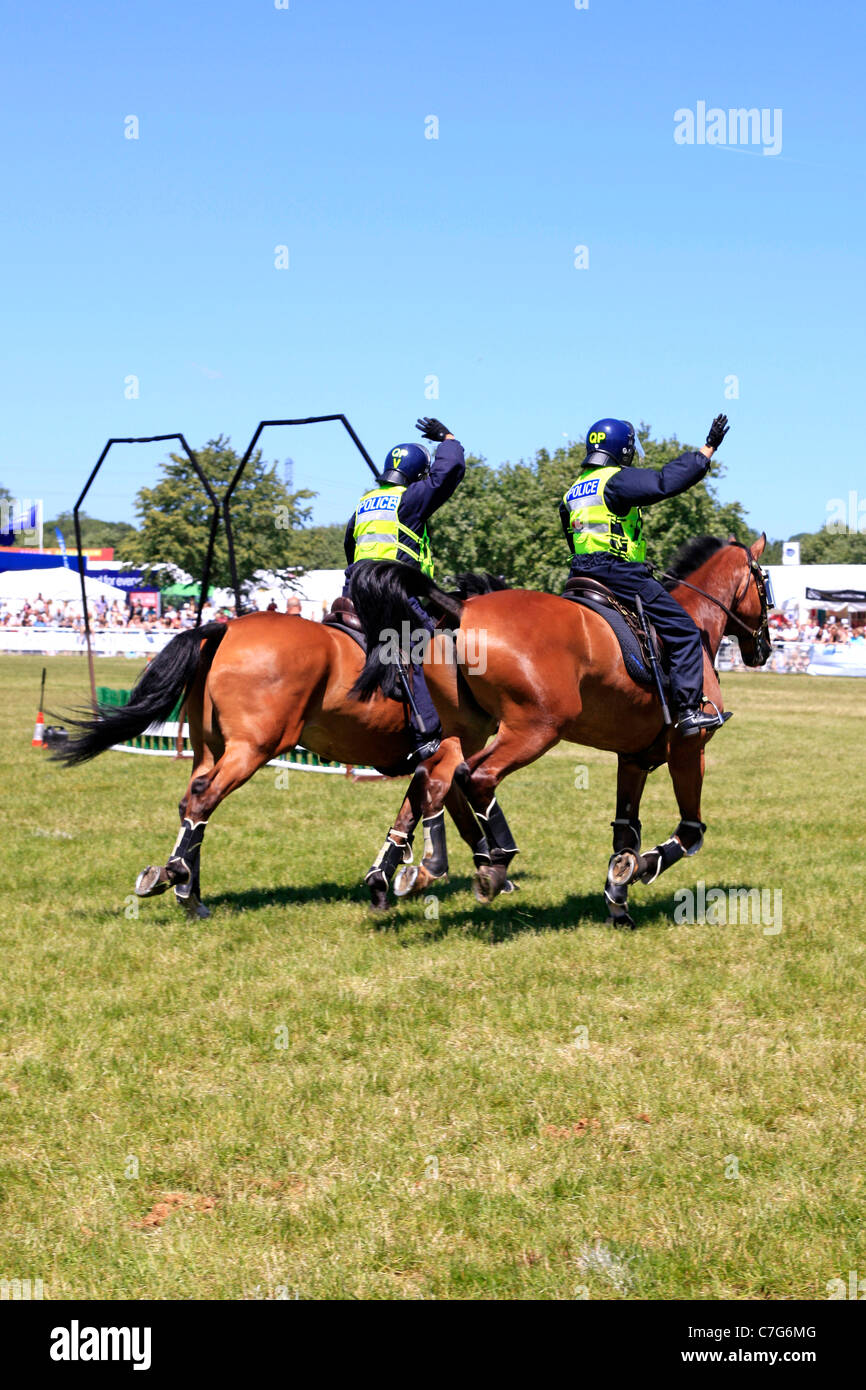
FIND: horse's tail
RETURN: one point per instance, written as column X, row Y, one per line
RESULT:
column 154, row 696
column 382, row 592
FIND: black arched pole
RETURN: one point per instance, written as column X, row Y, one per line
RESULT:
column 212, row 497
column 238, row 474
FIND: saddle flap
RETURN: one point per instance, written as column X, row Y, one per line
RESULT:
column 592, row 594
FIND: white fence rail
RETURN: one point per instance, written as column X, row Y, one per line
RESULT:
column 810, row 658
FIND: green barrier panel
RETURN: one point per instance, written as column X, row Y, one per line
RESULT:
column 105, row 695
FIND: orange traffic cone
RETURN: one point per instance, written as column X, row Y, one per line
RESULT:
column 39, row 731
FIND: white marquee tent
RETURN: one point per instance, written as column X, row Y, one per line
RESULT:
column 790, row 583
column 58, row 584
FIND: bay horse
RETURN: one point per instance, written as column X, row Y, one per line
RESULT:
column 554, row 671
column 255, row 687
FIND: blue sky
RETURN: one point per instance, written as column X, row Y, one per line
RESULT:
column 412, row 257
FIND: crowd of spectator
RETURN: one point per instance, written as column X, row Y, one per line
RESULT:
column 835, row 631
column 122, row 614
column 795, row 643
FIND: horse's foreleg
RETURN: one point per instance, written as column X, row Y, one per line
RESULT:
column 433, row 784
column 397, row 848
column 686, row 767
column 423, row 801
column 625, row 860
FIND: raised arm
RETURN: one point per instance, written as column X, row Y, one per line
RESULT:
column 642, row 487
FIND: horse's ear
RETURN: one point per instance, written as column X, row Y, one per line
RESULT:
column 757, row 547
column 732, row 540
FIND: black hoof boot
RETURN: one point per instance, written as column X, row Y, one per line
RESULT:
column 396, row 850
column 623, row 920
column 378, row 885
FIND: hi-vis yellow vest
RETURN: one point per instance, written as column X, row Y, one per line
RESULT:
column 380, row 534
column 594, row 528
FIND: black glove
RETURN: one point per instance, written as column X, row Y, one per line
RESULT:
column 718, row 430
column 432, row 429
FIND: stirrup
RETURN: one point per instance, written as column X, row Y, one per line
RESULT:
column 426, row 750
column 693, row 721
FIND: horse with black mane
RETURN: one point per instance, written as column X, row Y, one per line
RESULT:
column 553, row 670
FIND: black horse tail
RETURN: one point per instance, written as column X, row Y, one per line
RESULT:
column 154, row 696
column 382, row 591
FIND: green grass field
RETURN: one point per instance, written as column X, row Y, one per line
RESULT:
column 294, row 1100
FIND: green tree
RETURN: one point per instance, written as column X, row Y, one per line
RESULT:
column 175, row 516
column 95, row 534
column 316, row 547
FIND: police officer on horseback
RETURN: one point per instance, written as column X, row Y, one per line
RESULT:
column 602, row 520
column 390, row 523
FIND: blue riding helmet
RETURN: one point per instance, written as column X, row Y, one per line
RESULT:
column 406, row 463
column 616, row 438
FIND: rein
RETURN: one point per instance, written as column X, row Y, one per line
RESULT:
column 754, row 572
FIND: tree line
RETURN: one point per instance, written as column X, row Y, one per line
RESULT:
column 502, row 519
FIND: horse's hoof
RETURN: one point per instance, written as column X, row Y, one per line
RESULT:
column 489, row 881
column 623, row 920
column 196, row 909
column 624, row 868
column 152, row 881
column 405, row 880
column 509, row 887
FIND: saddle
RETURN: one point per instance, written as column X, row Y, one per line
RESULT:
column 592, row 594
column 344, row 617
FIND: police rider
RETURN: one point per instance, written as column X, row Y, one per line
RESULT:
column 390, row 523
column 602, row 520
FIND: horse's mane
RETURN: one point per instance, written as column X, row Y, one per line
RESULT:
column 470, row 585
column 689, row 557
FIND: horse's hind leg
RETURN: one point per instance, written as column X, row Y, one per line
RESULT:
column 479, row 777
column 158, row 878
column 434, row 865
column 210, row 784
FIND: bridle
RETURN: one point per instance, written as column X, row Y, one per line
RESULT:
column 759, row 634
